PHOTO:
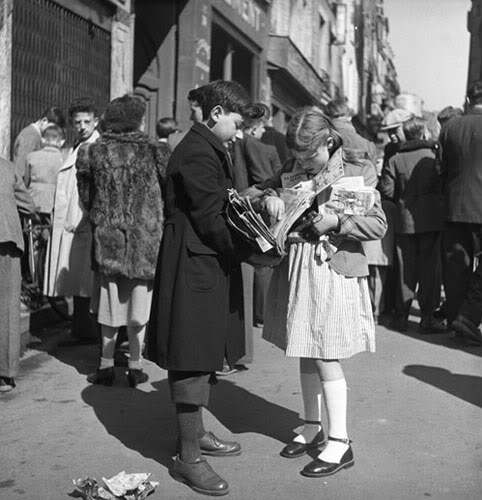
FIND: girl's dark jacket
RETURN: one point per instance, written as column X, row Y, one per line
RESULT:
column 197, row 308
column 120, row 179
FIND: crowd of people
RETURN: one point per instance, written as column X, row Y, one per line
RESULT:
column 135, row 232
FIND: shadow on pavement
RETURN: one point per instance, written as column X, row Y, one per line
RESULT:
column 466, row 387
column 442, row 339
column 145, row 421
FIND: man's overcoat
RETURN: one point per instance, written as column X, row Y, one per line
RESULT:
column 197, row 309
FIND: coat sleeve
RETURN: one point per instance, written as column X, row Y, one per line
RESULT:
column 372, row 226
column 85, row 183
column 25, row 203
column 24, row 144
column 387, row 183
column 206, row 202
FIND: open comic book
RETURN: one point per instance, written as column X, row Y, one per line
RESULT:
column 349, row 196
column 298, row 193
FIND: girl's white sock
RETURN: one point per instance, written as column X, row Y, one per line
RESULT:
column 335, row 393
column 311, row 391
column 106, row 363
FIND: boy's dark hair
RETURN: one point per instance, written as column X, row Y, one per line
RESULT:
column 124, row 114
column 447, row 113
column 196, row 95
column 414, row 128
column 267, row 111
column 54, row 115
column 83, row 105
column 54, row 128
column 474, row 93
column 253, row 114
column 338, row 107
column 165, row 127
column 231, row 96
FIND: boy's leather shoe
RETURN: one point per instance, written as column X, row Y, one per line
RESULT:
column 295, row 450
column 215, row 447
column 199, row 476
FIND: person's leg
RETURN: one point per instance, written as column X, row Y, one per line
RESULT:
column 10, row 286
column 262, row 276
column 458, row 262
column 311, row 392
column 247, row 273
column 136, row 334
column 335, row 394
column 189, row 392
column 84, row 324
column 337, row 454
column 105, row 373
column 430, row 275
column 406, row 249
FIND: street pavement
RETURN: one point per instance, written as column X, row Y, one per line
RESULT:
column 414, row 417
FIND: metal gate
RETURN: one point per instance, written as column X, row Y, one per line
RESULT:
column 56, row 57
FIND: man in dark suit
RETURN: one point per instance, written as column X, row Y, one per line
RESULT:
column 461, row 143
column 197, row 309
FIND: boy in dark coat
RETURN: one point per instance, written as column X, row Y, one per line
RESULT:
column 196, row 318
column 412, row 181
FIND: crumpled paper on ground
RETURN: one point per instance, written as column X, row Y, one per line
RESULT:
column 121, row 486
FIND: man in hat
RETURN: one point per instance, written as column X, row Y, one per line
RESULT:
column 462, row 178
column 393, row 126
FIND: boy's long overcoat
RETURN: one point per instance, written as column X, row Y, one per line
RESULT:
column 197, row 309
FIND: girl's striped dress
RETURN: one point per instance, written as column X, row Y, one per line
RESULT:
column 313, row 312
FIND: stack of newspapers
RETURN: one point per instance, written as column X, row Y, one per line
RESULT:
column 298, row 193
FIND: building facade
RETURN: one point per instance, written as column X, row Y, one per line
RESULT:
column 56, row 50
column 180, row 45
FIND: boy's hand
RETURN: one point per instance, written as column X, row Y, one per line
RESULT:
column 275, row 207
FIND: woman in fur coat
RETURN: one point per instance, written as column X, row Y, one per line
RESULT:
column 120, row 182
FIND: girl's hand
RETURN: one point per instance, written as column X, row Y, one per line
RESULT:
column 323, row 224
column 275, row 207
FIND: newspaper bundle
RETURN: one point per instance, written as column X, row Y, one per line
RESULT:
column 298, row 193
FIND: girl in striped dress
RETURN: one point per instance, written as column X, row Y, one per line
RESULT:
column 318, row 305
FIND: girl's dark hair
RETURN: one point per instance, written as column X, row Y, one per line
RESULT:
column 231, row 96
column 310, row 128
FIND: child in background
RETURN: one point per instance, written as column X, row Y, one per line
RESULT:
column 41, row 171
column 318, row 306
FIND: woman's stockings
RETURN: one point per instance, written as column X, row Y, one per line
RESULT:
column 109, row 337
column 135, row 334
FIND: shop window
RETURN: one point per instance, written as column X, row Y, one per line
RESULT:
column 230, row 60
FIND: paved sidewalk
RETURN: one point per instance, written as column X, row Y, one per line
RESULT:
column 414, row 417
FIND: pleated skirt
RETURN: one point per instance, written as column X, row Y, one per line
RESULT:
column 313, row 312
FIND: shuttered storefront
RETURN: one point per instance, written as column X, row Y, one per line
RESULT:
column 57, row 56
